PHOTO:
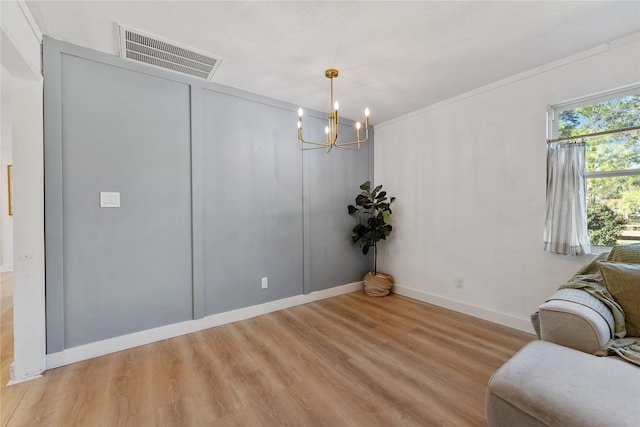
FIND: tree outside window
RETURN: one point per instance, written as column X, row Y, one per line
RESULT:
column 613, row 166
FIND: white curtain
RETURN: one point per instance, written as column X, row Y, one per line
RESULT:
column 565, row 230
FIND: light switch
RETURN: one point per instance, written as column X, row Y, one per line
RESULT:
column 109, row 199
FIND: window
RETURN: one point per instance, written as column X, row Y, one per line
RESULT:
column 612, row 160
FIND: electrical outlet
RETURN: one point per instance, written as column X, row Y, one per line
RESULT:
column 459, row 283
column 265, row 282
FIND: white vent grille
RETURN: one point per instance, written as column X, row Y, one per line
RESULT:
column 141, row 47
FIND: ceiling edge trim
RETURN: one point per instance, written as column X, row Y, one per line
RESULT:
column 601, row 48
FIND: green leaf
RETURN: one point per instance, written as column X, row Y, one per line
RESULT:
column 359, row 229
column 362, row 200
column 374, row 214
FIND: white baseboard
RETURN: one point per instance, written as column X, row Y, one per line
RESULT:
column 112, row 345
column 472, row 310
column 28, row 376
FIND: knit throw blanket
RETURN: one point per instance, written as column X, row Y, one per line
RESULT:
column 590, row 280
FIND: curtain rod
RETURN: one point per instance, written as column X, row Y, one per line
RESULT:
column 586, row 135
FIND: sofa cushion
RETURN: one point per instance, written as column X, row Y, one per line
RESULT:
column 551, row 385
column 623, row 283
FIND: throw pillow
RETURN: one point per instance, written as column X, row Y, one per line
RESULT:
column 623, row 283
column 628, row 254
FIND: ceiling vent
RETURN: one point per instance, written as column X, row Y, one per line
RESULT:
column 152, row 50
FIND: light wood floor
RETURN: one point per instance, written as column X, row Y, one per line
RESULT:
column 351, row 360
column 6, row 326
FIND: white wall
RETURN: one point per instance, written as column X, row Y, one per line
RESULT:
column 469, row 175
column 6, row 127
column 20, row 38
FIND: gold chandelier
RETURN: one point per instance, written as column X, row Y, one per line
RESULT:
column 331, row 131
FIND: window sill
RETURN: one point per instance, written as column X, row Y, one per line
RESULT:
column 597, row 250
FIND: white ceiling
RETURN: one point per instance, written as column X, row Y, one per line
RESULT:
column 394, row 57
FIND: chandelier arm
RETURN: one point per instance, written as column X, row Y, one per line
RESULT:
column 302, row 140
column 346, row 144
column 310, row 148
column 303, row 148
column 358, row 142
column 313, row 143
column 342, row 147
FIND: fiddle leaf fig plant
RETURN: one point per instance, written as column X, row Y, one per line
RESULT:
column 373, row 210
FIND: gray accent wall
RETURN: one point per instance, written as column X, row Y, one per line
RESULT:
column 333, row 183
column 214, row 193
column 252, row 203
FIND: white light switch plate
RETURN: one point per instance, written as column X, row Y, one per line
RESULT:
column 109, row 199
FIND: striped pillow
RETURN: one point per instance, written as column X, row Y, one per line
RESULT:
column 627, row 254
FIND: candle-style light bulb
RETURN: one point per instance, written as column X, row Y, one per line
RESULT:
column 326, row 130
column 366, row 120
column 299, row 124
column 336, row 105
column 358, row 131
column 300, row 112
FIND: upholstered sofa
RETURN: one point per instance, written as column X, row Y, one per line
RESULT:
column 559, row 381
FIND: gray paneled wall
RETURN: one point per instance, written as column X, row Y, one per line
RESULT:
column 333, row 181
column 252, row 203
column 127, row 268
column 214, row 196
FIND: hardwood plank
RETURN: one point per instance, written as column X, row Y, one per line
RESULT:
column 6, row 325
column 9, row 399
column 350, row 360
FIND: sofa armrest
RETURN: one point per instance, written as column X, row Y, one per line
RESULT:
column 573, row 325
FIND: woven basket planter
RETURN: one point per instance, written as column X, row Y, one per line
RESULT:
column 378, row 285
